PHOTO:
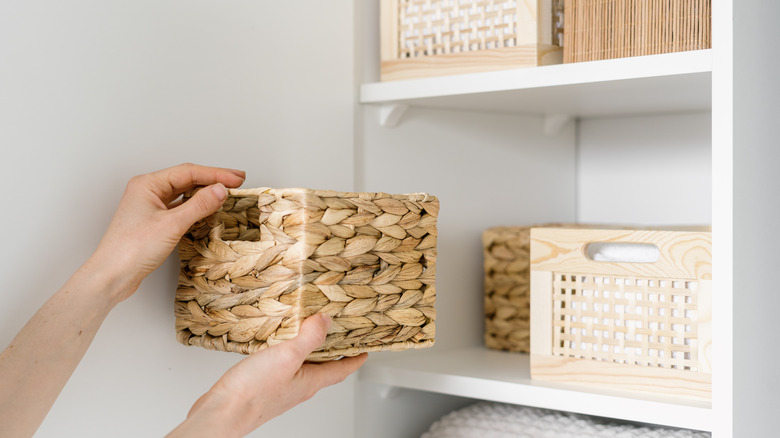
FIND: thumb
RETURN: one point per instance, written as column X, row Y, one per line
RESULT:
column 204, row 202
column 310, row 336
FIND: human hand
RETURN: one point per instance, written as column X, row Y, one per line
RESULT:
column 266, row 384
column 150, row 220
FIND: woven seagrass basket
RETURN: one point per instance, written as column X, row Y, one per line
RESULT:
column 507, row 290
column 252, row 272
column 507, row 284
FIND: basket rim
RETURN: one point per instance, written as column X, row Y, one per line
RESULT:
column 281, row 192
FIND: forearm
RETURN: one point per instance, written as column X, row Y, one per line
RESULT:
column 39, row 361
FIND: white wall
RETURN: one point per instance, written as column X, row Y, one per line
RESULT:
column 93, row 92
column 495, row 169
column 487, row 170
column 645, row 170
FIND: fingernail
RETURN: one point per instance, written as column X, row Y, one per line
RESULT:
column 326, row 318
column 220, row 191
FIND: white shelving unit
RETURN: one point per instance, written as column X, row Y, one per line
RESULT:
column 523, row 115
column 669, row 83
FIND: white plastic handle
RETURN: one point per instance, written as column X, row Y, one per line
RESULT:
column 617, row 252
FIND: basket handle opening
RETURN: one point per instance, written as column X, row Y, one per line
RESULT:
column 621, row 252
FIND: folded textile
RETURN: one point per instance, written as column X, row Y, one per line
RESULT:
column 497, row 420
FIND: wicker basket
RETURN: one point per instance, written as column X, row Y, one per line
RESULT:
column 269, row 258
column 507, row 284
column 606, row 29
column 423, row 38
column 507, row 288
column 633, row 325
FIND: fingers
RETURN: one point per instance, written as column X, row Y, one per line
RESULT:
column 178, row 179
column 311, row 335
column 201, row 204
column 332, row 372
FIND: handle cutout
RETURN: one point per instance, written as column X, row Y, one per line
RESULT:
column 617, row 252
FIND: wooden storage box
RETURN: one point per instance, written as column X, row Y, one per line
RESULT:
column 421, row 38
column 269, row 258
column 606, row 29
column 626, row 325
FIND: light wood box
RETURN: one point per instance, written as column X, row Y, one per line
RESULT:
column 423, row 38
column 628, row 326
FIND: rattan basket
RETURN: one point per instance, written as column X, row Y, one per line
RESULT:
column 507, row 286
column 628, row 325
column 421, row 38
column 606, row 29
column 269, row 258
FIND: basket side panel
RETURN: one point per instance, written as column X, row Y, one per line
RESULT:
column 639, row 321
column 388, row 28
column 235, row 294
column 622, row 377
column 372, row 270
column 542, row 314
column 681, row 254
column 528, row 55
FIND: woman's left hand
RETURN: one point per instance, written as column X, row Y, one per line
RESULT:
column 151, row 219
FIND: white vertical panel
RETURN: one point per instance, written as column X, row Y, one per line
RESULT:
column 723, row 146
column 756, row 207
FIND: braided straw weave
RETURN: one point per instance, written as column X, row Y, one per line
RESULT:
column 507, row 294
column 252, row 272
column 507, row 284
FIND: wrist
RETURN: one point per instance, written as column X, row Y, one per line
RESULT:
column 211, row 416
column 113, row 282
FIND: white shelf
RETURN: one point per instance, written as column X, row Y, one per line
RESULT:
column 484, row 374
column 673, row 82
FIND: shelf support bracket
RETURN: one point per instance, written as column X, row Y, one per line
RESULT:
column 388, row 391
column 390, row 114
column 554, row 124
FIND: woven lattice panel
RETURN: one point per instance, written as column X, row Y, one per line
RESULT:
column 438, row 27
column 630, row 320
column 605, row 29
column 269, row 258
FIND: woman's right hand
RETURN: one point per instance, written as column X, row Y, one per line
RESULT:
column 266, row 384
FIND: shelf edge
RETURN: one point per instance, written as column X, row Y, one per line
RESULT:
column 640, row 67
column 541, row 396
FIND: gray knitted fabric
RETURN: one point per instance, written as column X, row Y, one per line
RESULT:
column 497, row 420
